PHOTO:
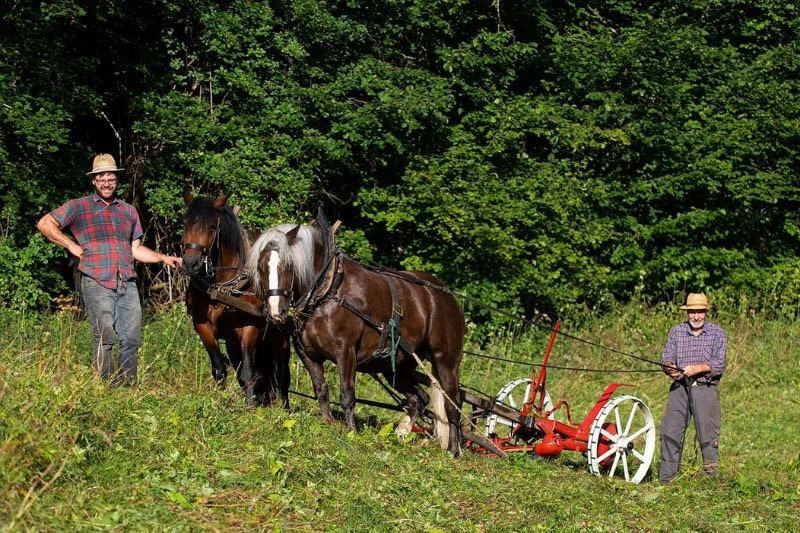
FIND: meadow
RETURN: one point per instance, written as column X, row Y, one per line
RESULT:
column 175, row 453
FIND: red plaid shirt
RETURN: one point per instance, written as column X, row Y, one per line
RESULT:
column 105, row 232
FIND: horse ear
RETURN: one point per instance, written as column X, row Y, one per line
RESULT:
column 220, row 200
column 188, row 197
column 321, row 218
column 291, row 235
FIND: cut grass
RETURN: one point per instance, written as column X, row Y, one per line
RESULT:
column 175, row 453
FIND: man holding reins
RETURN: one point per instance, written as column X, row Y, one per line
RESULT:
column 107, row 234
column 694, row 357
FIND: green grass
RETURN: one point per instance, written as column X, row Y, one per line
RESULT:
column 175, row 453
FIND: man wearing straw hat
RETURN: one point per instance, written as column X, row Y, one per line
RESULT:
column 694, row 357
column 107, row 238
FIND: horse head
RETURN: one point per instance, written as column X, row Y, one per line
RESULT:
column 201, row 225
column 281, row 266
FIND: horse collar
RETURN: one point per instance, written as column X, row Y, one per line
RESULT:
column 327, row 282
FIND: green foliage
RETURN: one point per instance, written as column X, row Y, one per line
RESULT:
column 546, row 156
column 529, row 219
column 27, row 274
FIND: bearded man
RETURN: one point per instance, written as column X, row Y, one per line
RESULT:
column 107, row 236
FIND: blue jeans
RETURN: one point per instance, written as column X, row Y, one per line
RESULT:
column 115, row 313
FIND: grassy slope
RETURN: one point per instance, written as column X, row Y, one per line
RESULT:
column 174, row 453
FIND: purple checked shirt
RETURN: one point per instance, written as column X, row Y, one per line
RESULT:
column 683, row 348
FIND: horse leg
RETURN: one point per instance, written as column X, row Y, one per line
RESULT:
column 246, row 372
column 239, row 351
column 249, row 374
column 235, row 354
column 264, row 366
column 447, row 375
column 347, row 386
column 317, row 374
column 273, row 360
column 416, row 400
column 219, row 364
column 281, row 353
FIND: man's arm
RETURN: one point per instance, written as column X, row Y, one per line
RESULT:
column 145, row 255
column 669, row 358
column 51, row 229
column 694, row 370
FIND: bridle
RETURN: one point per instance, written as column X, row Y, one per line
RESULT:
column 205, row 252
column 285, row 293
column 301, row 306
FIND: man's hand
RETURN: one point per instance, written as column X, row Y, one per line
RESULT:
column 51, row 229
column 171, row 260
column 693, row 370
column 75, row 250
column 673, row 371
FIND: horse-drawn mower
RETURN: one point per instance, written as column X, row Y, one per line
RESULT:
column 618, row 436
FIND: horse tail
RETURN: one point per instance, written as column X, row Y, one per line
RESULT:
column 441, row 425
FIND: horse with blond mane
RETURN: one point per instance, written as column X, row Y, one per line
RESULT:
column 363, row 320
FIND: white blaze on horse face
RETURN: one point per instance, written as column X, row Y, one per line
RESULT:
column 274, row 301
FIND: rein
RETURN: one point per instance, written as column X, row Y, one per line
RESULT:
column 531, row 322
column 311, row 298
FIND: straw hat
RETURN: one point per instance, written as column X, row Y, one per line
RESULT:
column 103, row 163
column 696, row 302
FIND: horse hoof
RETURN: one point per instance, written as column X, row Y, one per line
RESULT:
column 403, row 429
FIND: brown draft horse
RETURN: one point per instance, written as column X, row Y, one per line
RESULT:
column 214, row 249
column 344, row 312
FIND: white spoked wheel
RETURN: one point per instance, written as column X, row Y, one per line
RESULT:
column 622, row 439
column 512, row 395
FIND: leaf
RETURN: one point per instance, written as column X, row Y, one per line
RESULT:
column 386, row 430
column 180, row 499
column 276, row 467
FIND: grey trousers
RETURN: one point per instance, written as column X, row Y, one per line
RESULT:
column 115, row 314
column 705, row 408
